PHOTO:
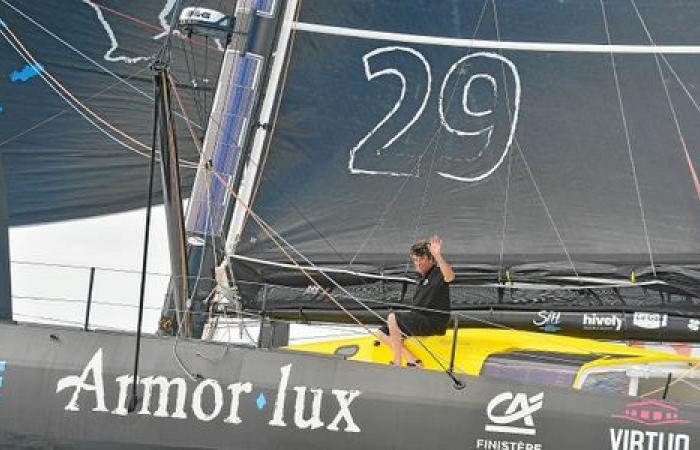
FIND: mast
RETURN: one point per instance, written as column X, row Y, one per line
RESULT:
column 243, row 72
column 172, row 197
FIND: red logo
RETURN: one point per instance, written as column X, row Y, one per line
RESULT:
column 651, row 413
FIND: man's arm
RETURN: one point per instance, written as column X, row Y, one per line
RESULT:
column 435, row 246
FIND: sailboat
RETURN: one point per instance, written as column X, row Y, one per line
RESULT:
column 538, row 147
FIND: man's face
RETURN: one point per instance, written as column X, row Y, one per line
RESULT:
column 422, row 263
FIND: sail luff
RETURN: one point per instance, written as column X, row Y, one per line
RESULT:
column 252, row 165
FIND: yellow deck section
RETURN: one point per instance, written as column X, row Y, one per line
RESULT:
column 474, row 345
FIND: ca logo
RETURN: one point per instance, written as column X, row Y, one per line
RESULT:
column 520, row 408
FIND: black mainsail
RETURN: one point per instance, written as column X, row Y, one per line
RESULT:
column 542, row 150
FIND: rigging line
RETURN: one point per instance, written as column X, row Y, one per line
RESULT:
column 674, row 114
column 150, row 26
column 200, row 114
column 680, row 82
column 157, row 111
column 395, row 198
column 206, row 75
column 527, row 166
column 43, row 73
column 505, row 218
column 43, row 77
column 208, row 223
column 207, row 183
column 84, row 56
column 237, row 41
column 325, row 239
column 316, row 268
column 196, row 94
column 211, row 220
column 504, row 227
column 213, row 122
column 164, row 55
column 270, row 231
column 65, row 110
column 426, row 188
column 93, row 326
column 78, row 300
column 263, row 224
column 436, row 135
column 627, row 140
column 74, row 266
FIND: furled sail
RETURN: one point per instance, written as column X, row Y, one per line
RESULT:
column 541, row 150
column 61, row 160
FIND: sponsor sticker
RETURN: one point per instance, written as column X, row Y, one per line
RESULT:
column 512, row 414
column 175, row 398
column 647, row 416
column 650, row 321
column 549, row 321
column 603, row 321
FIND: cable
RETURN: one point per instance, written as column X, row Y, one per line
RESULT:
column 60, row 90
column 691, row 167
column 628, row 141
column 83, row 55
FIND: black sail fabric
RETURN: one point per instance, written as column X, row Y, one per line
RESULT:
column 561, row 141
column 59, row 165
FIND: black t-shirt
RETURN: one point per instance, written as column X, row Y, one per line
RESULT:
column 433, row 292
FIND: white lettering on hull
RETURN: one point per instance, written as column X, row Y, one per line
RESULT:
column 207, row 398
column 627, row 439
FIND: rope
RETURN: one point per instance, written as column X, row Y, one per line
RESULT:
column 80, row 53
column 274, row 236
column 527, row 166
column 691, row 166
column 60, row 90
column 436, row 135
column 627, row 140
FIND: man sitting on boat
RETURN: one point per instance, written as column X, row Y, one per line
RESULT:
column 431, row 301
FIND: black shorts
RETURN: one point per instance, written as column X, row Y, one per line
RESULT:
column 413, row 323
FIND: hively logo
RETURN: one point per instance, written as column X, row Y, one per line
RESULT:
column 649, row 414
column 650, row 321
column 547, row 321
column 597, row 321
column 694, row 325
column 519, row 409
column 175, row 406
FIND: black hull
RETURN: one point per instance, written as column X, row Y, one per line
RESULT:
column 395, row 407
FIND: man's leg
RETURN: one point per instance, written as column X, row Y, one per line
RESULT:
column 387, row 340
column 395, row 338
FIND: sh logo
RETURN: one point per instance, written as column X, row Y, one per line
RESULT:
column 519, row 408
column 549, row 321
